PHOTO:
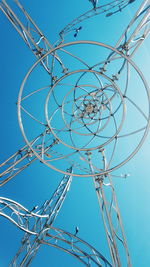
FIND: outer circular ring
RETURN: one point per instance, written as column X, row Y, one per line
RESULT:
column 112, row 49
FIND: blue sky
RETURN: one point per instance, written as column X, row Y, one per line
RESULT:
column 36, row 184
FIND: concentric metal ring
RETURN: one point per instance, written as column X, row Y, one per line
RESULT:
column 94, row 133
column 75, row 149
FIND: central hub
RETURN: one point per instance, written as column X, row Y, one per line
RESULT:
column 89, row 108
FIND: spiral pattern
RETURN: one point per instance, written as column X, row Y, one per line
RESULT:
column 89, row 112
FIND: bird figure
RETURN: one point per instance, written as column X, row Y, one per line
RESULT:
column 76, row 230
column 77, row 30
column 94, row 3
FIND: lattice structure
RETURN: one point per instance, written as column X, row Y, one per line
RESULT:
column 23, row 158
column 30, row 33
column 110, row 8
column 82, row 129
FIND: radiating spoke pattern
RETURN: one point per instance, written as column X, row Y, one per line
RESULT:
column 87, row 109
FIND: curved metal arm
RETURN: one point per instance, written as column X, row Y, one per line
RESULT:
column 50, row 210
column 111, row 216
column 30, row 33
column 133, row 37
column 21, row 159
column 70, row 244
column 19, row 215
column 110, row 9
column 74, row 246
column 134, row 34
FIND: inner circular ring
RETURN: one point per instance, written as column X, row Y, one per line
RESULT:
column 88, row 109
column 49, row 120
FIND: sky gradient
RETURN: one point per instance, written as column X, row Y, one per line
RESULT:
column 37, row 183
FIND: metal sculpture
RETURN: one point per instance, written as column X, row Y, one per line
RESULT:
column 42, row 231
column 30, row 33
column 68, row 243
column 93, row 110
column 21, row 217
column 23, row 158
column 110, row 8
column 44, row 220
column 83, row 106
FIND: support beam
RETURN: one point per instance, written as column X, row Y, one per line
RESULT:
column 110, row 8
column 24, row 157
column 30, row 244
column 31, row 34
